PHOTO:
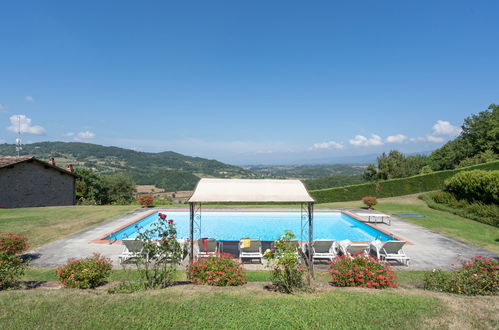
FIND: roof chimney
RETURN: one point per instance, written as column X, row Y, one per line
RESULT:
column 69, row 168
column 52, row 161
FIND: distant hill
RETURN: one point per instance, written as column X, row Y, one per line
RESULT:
column 306, row 172
column 168, row 170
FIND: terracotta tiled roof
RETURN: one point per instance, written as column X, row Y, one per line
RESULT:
column 9, row 160
column 12, row 160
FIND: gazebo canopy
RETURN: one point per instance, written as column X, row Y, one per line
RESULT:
column 250, row 190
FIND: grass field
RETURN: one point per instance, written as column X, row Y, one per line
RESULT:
column 250, row 306
column 45, row 224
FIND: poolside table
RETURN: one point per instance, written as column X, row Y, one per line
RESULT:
column 377, row 217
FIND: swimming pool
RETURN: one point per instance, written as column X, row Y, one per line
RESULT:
column 263, row 225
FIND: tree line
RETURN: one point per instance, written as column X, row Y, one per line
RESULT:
column 478, row 143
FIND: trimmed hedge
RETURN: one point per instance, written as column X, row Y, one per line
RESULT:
column 395, row 187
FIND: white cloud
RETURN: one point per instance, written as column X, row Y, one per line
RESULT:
column 399, row 138
column 29, row 99
column 2, row 141
column 85, row 135
column 443, row 127
column 362, row 141
column 25, row 125
column 432, row 138
column 327, row 145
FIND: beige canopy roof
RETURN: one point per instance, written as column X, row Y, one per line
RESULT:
column 250, row 190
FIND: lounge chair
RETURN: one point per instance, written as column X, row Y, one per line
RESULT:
column 323, row 249
column 250, row 248
column 207, row 247
column 389, row 250
column 132, row 248
column 350, row 249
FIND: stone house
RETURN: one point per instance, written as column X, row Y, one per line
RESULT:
column 29, row 182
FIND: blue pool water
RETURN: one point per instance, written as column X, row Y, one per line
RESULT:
column 266, row 226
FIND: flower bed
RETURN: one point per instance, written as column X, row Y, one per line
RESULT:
column 84, row 273
column 218, row 271
column 361, row 271
column 479, row 276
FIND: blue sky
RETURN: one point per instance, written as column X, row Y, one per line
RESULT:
column 247, row 81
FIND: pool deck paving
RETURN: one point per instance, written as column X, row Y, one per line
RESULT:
column 426, row 248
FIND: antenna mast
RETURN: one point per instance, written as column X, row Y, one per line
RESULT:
column 18, row 139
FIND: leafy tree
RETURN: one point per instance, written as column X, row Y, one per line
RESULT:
column 480, row 133
column 482, row 157
column 482, row 130
column 90, row 188
column 371, row 173
column 120, row 188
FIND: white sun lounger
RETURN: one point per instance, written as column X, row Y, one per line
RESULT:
column 376, row 217
column 132, row 248
column 350, row 249
column 323, row 249
column 211, row 249
column 254, row 251
column 389, row 250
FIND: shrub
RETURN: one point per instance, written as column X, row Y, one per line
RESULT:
column 362, row 271
column 370, row 201
column 476, row 185
column 162, row 253
column 84, row 273
column 287, row 272
column 445, row 201
column 12, row 268
column 145, row 200
column 479, row 276
column 13, row 244
column 217, row 271
column 394, row 187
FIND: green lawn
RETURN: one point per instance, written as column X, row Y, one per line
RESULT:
column 45, row 224
column 205, row 307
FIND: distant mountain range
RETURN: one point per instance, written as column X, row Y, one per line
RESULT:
column 168, row 170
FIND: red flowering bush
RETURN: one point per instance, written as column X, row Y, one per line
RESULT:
column 370, row 201
column 361, row 271
column 478, row 276
column 84, row 273
column 218, row 271
column 145, row 200
column 12, row 265
column 13, row 244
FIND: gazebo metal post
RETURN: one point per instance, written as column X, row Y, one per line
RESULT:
column 310, row 208
column 191, row 232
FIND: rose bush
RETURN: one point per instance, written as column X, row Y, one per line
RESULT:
column 84, row 273
column 362, row 271
column 145, row 200
column 12, row 266
column 370, row 201
column 478, row 276
column 217, row 271
column 13, row 244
